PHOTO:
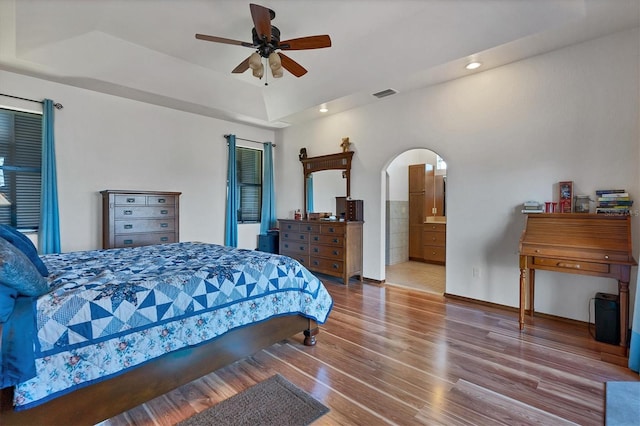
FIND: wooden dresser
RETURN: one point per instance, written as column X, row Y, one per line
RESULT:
column 434, row 242
column 329, row 247
column 139, row 218
column 577, row 243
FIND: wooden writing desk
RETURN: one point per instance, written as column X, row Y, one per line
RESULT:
column 577, row 243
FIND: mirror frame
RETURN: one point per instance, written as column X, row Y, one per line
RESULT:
column 339, row 161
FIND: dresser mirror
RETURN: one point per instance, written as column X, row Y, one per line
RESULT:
column 330, row 173
column 327, row 185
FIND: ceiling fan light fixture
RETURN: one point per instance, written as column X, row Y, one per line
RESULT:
column 323, row 108
column 277, row 73
column 258, row 72
column 274, row 62
column 255, row 61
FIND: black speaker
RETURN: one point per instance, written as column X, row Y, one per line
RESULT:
column 607, row 307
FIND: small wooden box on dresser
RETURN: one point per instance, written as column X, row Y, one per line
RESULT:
column 139, row 218
column 329, row 247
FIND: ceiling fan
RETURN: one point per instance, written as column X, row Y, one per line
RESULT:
column 266, row 41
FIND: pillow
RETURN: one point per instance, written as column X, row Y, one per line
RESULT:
column 17, row 271
column 25, row 245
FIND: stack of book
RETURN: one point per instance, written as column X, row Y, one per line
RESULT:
column 613, row 201
column 532, row 207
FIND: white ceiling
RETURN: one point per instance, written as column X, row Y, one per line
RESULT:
column 146, row 49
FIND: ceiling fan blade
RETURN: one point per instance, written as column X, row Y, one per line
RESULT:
column 223, row 40
column 292, row 66
column 303, row 43
column 261, row 20
column 242, row 67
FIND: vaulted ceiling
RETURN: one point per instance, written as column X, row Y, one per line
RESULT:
column 147, row 50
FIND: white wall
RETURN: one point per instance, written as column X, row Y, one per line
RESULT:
column 106, row 142
column 508, row 135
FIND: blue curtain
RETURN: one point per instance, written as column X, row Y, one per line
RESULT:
column 268, row 212
column 634, row 351
column 310, row 193
column 231, row 220
column 49, row 232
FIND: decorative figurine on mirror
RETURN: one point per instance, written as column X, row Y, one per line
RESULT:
column 303, row 153
column 345, row 144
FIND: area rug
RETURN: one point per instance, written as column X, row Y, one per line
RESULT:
column 622, row 404
column 274, row 401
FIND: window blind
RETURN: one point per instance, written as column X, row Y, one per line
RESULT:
column 249, row 173
column 20, row 164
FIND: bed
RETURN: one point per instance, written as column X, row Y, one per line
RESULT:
column 118, row 327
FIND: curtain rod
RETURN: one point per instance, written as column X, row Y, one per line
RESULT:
column 249, row 140
column 56, row 105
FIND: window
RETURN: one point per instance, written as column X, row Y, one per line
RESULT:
column 249, row 174
column 20, row 162
column 440, row 164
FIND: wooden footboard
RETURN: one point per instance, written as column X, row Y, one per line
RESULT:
column 103, row 400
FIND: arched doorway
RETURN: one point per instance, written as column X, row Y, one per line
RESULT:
column 411, row 261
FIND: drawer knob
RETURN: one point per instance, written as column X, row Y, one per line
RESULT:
column 315, row 263
column 164, row 225
column 335, row 240
column 286, row 245
column 315, row 249
column 302, row 237
column 332, row 230
column 606, row 256
column 316, row 238
column 164, row 211
column 335, row 266
column 164, row 239
column 336, row 252
column 301, row 248
column 161, row 200
column 131, row 200
column 128, row 212
column 128, row 241
column 128, row 226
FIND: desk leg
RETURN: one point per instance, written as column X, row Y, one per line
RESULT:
column 532, row 290
column 523, row 284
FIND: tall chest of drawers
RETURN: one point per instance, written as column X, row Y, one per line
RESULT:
column 139, row 218
column 332, row 248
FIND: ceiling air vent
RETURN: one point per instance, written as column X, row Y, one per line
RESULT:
column 384, row 93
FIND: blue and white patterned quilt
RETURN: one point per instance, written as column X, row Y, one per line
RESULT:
column 111, row 310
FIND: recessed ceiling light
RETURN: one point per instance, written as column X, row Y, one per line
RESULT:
column 473, row 65
column 323, row 108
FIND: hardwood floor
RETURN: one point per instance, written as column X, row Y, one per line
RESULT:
column 391, row 355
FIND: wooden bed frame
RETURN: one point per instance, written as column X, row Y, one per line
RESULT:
column 103, row 400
